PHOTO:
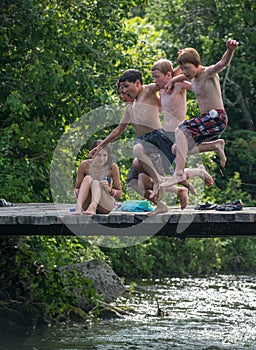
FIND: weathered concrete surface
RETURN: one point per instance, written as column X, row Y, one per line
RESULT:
column 56, row 219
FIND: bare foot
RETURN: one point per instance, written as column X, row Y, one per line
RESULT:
column 205, row 176
column 147, row 194
column 78, row 210
column 183, row 197
column 189, row 186
column 161, row 193
column 161, row 208
column 155, row 190
column 173, row 180
column 90, row 210
column 220, row 145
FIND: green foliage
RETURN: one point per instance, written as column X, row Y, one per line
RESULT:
column 164, row 257
column 233, row 191
column 206, row 26
column 239, row 256
column 60, row 61
column 241, row 154
column 30, row 270
column 53, row 69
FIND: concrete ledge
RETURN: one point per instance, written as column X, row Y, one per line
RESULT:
column 56, row 219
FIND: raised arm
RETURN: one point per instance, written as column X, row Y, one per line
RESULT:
column 226, row 58
column 181, row 85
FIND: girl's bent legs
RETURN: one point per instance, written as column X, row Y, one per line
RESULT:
column 101, row 200
column 106, row 203
column 96, row 195
column 84, row 193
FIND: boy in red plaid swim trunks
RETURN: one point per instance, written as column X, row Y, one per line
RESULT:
column 213, row 121
column 209, row 125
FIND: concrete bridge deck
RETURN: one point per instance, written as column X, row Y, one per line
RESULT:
column 56, row 219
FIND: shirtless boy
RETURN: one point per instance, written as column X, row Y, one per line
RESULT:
column 213, row 120
column 144, row 114
column 174, row 106
column 143, row 183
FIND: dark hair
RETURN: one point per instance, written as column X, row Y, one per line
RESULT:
column 130, row 75
column 107, row 148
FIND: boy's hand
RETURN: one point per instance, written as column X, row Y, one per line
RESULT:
column 168, row 87
column 94, row 151
column 231, row 44
column 76, row 192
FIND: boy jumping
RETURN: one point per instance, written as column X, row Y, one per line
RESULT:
column 213, row 120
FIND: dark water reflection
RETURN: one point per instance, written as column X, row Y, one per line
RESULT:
column 203, row 314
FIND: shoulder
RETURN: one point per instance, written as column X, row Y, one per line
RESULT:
column 114, row 171
column 210, row 71
column 150, row 88
column 114, row 167
column 85, row 164
column 127, row 113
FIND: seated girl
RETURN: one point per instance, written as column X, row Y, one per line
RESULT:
column 97, row 184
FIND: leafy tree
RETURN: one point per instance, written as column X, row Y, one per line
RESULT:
column 206, row 25
column 53, row 69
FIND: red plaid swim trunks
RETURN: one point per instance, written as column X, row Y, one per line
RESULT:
column 198, row 130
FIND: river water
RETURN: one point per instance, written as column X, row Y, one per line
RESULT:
column 198, row 314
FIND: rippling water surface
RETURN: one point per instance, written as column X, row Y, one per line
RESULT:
column 202, row 313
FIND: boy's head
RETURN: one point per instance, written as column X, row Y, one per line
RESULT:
column 125, row 97
column 189, row 55
column 130, row 84
column 162, row 72
column 163, row 65
column 131, row 76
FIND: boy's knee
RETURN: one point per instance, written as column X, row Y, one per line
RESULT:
column 136, row 163
column 174, row 148
column 178, row 131
column 138, row 150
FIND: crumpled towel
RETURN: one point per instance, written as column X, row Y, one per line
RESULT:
column 137, row 206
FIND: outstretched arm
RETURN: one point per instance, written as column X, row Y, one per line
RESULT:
column 181, row 85
column 179, row 78
column 226, row 58
column 114, row 134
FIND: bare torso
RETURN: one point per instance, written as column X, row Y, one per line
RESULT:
column 174, row 108
column 208, row 92
column 145, row 111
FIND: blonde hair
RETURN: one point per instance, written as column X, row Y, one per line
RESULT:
column 164, row 66
column 189, row 55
